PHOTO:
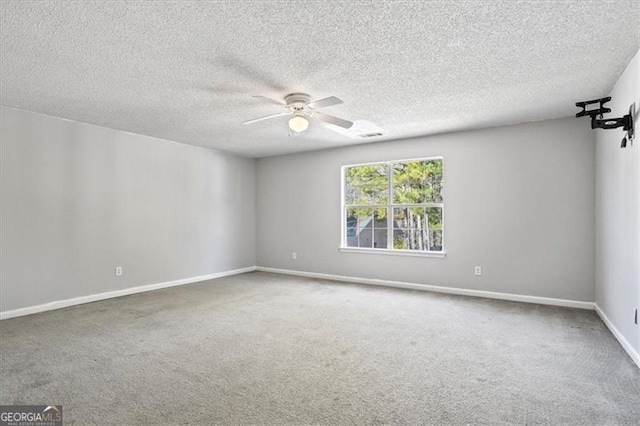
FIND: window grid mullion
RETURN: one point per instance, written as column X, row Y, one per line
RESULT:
column 382, row 206
column 366, row 206
column 389, row 208
column 426, row 205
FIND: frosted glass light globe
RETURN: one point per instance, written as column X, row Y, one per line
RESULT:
column 298, row 124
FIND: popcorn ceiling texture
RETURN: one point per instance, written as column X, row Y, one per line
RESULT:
column 185, row 71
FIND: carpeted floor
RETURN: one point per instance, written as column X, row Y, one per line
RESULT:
column 268, row 349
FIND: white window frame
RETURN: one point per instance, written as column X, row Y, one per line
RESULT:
column 389, row 207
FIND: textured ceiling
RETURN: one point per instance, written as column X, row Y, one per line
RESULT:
column 185, row 71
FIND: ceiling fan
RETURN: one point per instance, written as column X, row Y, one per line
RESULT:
column 300, row 106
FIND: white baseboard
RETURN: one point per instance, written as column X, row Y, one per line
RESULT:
column 635, row 356
column 117, row 293
column 437, row 289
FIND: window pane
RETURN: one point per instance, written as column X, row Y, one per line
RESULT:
column 434, row 218
column 380, row 238
column 358, row 227
column 417, row 228
column 365, row 237
column 357, row 218
column 366, row 227
column 409, row 217
column 436, row 240
column 380, row 216
column 417, row 182
column 365, row 185
column 410, row 239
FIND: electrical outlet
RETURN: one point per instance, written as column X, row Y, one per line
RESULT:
column 478, row 270
column 294, row 255
column 118, row 271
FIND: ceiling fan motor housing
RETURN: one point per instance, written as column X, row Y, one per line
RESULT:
column 297, row 101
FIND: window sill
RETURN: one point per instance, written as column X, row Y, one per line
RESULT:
column 435, row 254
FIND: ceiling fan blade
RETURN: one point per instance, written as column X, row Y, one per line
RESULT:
column 272, row 101
column 267, row 117
column 326, row 102
column 345, row 124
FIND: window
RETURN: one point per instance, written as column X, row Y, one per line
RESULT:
column 393, row 206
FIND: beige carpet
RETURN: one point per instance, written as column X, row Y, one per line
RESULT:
column 267, row 349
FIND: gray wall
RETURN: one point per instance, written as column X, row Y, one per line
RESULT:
column 78, row 199
column 519, row 201
column 618, row 214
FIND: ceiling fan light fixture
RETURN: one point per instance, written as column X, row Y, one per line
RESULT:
column 298, row 124
column 300, row 106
